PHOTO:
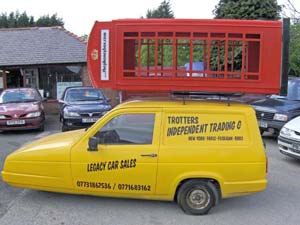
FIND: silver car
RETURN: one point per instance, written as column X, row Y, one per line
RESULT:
column 289, row 138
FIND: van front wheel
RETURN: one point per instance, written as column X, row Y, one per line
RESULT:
column 196, row 197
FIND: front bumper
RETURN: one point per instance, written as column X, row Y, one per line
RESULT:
column 77, row 123
column 270, row 125
column 289, row 147
column 30, row 123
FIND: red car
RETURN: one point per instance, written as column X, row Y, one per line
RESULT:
column 21, row 109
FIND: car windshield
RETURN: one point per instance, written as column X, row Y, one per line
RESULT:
column 74, row 95
column 293, row 92
column 19, row 95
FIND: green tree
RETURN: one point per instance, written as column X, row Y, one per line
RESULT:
column 241, row 9
column 25, row 21
column 3, row 20
column 12, row 20
column 247, row 9
column 16, row 19
column 48, row 21
column 294, row 57
column 85, row 37
column 164, row 10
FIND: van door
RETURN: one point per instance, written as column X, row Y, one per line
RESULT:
column 126, row 157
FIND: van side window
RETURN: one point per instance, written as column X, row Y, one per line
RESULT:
column 128, row 129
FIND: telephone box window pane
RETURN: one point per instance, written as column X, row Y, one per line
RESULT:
column 130, row 56
column 217, row 55
column 165, row 54
column 165, row 57
column 234, row 76
column 251, row 77
column 253, row 36
column 253, row 56
column 165, row 34
column 183, row 34
column 234, row 60
column 216, row 76
column 199, row 58
column 148, row 34
column 131, row 34
column 197, row 34
column 183, row 56
column 234, row 35
column 147, row 54
column 217, row 35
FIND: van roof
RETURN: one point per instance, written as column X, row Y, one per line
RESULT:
column 148, row 103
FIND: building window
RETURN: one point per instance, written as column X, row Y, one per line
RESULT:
column 53, row 78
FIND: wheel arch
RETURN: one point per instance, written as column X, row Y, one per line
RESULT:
column 210, row 179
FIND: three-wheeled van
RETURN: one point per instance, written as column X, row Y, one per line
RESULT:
column 193, row 152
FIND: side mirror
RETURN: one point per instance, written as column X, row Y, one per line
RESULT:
column 93, row 144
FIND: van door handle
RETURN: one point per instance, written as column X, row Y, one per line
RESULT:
column 149, row 155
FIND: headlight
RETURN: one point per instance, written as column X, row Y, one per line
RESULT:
column 33, row 114
column 70, row 114
column 286, row 132
column 2, row 117
column 280, row 117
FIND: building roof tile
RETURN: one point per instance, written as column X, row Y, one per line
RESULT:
column 40, row 45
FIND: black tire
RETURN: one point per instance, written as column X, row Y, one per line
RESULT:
column 42, row 128
column 64, row 128
column 197, row 197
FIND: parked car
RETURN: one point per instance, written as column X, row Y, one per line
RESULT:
column 289, row 138
column 21, row 109
column 81, row 107
column 274, row 111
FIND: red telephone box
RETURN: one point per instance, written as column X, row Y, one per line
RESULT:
column 186, row 54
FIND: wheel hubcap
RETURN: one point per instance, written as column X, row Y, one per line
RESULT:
column 198, row 199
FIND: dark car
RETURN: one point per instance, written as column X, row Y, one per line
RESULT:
column 21, row 109
column 81, row 107
column 274, row 111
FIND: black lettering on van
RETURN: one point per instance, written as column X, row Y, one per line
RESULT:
column 222, row 126
column 113, row 165
column 94, row 167
column 239, row 125
column 191, row 138
column 183, row 120
column 128, row 163
column 187, row 130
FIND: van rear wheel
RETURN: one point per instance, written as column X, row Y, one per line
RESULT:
column 197, row 197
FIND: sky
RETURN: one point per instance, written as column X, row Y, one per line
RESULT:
column 79, row 16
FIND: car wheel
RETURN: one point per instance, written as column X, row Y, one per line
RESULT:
column 42, row 128
column 64, row 128
column 197, row 197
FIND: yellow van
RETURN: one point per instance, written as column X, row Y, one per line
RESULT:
column 193, row 152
